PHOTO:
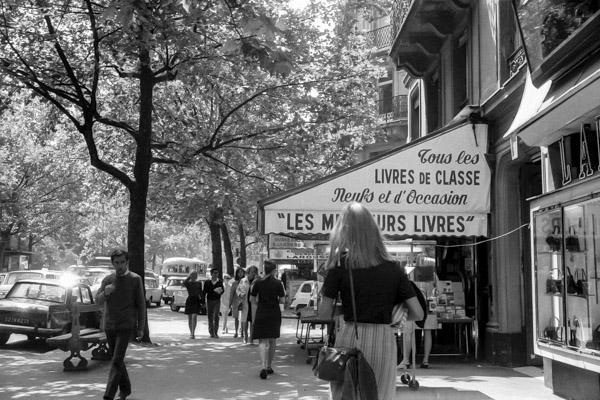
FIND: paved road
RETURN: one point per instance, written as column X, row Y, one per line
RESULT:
column 177, row 368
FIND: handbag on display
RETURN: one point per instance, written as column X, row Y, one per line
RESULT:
column 554, row 332
column 332, row 362
column 554, row 285
column 572, row 240
column 595, row 342
column 571, row 286
column 581, row 282
column 553, row 239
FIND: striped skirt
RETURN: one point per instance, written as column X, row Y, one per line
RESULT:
column 378, row 344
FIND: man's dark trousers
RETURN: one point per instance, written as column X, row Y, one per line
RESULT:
column 212, row 309
column 118, row 340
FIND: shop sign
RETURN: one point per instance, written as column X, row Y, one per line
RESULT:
column 580, row 153
column 295, row 254
column 284, row 242
column 438, row 186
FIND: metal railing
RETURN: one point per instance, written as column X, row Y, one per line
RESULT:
column 381, row 37
column 393, row 111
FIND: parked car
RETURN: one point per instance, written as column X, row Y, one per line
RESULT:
column 41, row 308
column 13, row 276
column 306, row 295
column 153, row 291
column 95, row 276
column 179, row 298
column 171, row 285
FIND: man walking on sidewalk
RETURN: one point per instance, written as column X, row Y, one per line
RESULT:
column 213, row 290
column 123, row 293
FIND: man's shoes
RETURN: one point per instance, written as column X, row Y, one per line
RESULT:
column 270, row 371
column 235, row 335
column 216, row 336
column 263, row 374
column 424, row 365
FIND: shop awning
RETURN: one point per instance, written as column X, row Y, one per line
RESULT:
column 438, row 185
column 557, row 108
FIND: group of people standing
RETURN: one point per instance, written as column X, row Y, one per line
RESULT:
column 252, row 300
column 222, row 297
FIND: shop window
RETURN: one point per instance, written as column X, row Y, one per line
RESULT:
column 566, row 249
column 557, row 34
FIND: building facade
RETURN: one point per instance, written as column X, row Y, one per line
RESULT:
column 530, row 71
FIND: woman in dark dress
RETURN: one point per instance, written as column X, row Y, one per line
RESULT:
column 267, row 321
column 192, row 303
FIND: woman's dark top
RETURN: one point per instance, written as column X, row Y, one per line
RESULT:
column 377, row 290
column 268, row 315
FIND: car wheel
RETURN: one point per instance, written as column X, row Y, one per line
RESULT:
column 4, row 336
column 158, row 303
column 174, row 307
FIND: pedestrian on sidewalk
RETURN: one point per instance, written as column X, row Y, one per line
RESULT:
column 268, row 293
column 236, row 300
column 225, row 302
column 379, row 284
column 192, row 303
column 213, row 289
column 247, row 306
column 122, row 294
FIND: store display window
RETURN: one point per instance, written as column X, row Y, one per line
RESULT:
column 566, row 252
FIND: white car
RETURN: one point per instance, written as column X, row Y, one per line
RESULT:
column 13, row 276
column 153, row 291
column 306, row 295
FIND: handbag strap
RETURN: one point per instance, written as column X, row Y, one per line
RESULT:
column 353, row 299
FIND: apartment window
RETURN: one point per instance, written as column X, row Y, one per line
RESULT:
column 557, row 34
column 459, row 73
column 415, row 114
column 385, row 99
column 433, row 103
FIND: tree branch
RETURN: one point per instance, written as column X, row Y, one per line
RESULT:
column 229, row 166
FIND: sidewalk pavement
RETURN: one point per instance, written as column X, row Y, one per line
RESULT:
column 177, row 368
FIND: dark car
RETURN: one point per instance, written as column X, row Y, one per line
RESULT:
column 41, row 308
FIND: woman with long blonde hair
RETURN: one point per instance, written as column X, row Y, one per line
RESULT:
column 380, row 283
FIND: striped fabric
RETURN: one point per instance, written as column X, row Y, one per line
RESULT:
column 378, row 344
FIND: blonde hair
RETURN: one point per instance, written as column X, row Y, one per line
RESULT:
column 356, row 234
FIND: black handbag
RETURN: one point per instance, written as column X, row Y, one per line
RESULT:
column 581, row 282
column 554, row 285
column 571, row 285
column 553, row 239
column 554, row 332
column 572, row 241
column 594, row 344
column 330, row 363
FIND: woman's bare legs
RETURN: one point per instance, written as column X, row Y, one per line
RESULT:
column 192, row 322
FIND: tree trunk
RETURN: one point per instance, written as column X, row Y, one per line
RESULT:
column 4, row 242
column 138, row 192
column 215, row 220
column 242, row 235
column 227, row 248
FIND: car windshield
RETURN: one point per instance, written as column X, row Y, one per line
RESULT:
column 175, row 282
column 151, row 283
column 19, row 276
column 38, row 291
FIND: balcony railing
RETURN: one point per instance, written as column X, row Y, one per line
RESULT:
column 393, row 111
column 400, row 10
column 381, row 37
